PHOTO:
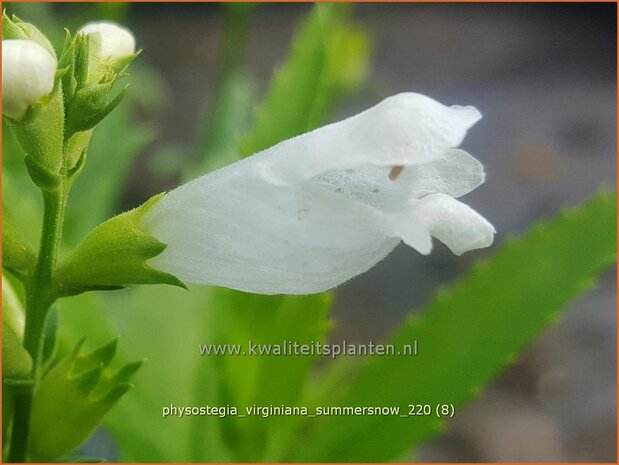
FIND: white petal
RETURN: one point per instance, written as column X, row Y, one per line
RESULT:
column 455, row 174
column 27, row 75
column 318, row 209
column 455, row 224
column 114, row 40
column 406, row 226
column 234, row 228
column 405, row 129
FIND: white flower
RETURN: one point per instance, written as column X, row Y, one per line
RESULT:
column 316, row 210
column 27, row 75
column 114, row 41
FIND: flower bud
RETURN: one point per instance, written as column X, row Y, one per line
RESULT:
column 27, row 75
column 114, row 41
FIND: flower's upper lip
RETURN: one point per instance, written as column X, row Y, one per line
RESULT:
column 406, row 129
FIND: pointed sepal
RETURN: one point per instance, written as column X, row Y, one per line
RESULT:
column 91, row 104
column 114, row 255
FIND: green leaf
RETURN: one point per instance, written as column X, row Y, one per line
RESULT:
column 242, row 319
column 328, row 59
column 80, row 459
column 164, row 325
column 469, row 333
column 225, row 121
column 177, row 374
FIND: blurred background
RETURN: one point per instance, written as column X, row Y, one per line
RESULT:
column 544, row 77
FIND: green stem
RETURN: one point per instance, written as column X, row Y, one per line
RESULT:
column 40, row 295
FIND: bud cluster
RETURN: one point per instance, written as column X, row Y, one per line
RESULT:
column 52, row 102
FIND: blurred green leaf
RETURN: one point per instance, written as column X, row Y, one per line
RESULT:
column 228, row 116
column 225, row 120
column 249, row 380
column 329, row 58
column 165, row 326
column 81, row 315
column 468, row 334
column 111, row 11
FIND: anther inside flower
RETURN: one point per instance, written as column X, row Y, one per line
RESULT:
column 314, row 211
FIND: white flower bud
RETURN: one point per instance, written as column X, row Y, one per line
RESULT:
column 114, row 41
column 27, row 75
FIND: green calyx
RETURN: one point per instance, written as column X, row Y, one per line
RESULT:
column 114, row 255
column 73, row 398
column 88, row 86
column 90, row 105
column 41, row 134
